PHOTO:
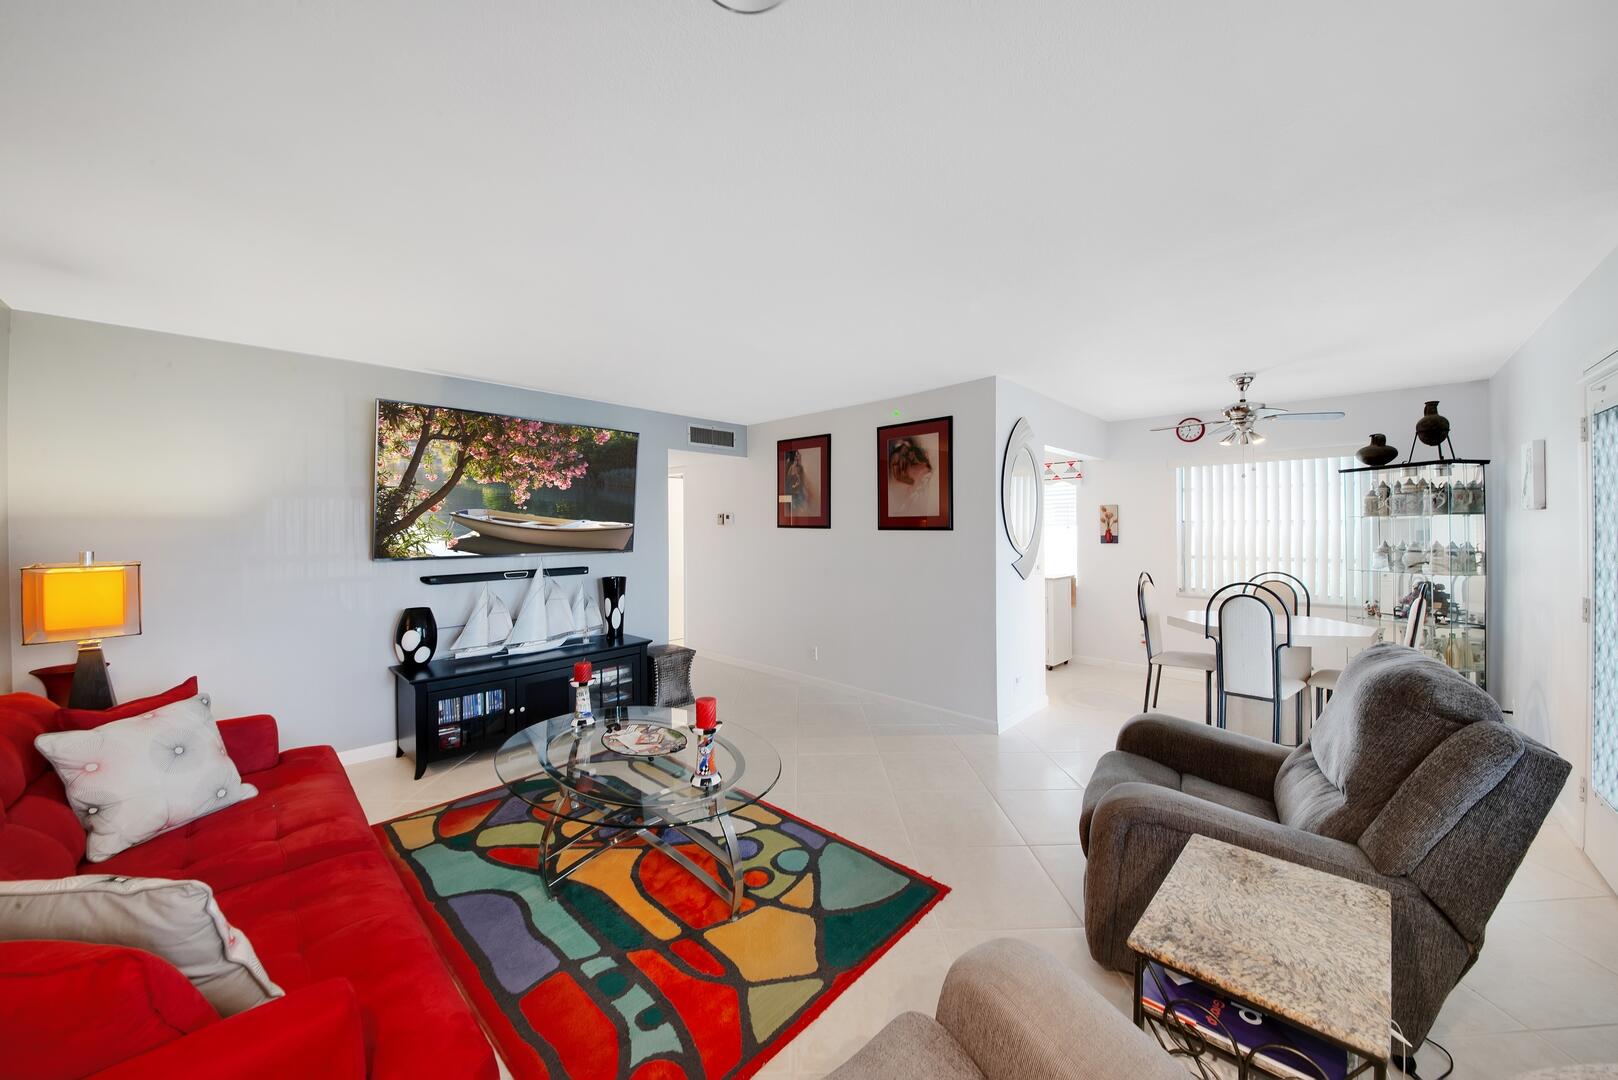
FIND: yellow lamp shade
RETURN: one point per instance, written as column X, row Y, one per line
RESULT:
column 74, row 602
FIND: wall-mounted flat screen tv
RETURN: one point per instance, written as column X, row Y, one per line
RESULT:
column 455, row 483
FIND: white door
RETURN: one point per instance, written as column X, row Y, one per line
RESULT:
column 1601, row 805
column 676, row 557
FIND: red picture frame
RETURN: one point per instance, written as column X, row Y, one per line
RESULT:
column 803, row 483
column 915, row 475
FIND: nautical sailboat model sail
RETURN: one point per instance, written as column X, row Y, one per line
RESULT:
column 487, row 627
column 532, row 632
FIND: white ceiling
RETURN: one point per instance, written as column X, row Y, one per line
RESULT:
column 749, row 217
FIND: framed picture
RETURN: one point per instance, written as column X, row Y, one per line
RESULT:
column 1109, row 523
column 915, row 475
column 803, row 483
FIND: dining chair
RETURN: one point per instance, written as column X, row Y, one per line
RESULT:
column 1158, row 658
column 1324, row 681
column 1253, row 630
column 1288, row 592
column 1290, row 587
column 1416, row 616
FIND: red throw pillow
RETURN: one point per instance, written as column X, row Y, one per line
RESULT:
column 68, row 1008
column 85, row 719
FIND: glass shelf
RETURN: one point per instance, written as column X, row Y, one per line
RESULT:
column 1440, row 509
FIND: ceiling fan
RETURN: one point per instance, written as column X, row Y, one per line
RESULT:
column 1237, row 428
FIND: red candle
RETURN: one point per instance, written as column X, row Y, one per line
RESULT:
column 707, row 713
column 581, row 671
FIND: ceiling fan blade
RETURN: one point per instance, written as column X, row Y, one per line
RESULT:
column 1308, row 416
column 1171, row 427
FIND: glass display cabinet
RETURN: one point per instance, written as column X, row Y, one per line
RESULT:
column 1424, row 522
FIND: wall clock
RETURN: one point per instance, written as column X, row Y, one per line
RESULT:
column 1190, row 429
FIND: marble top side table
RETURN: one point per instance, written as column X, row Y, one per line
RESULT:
column 1306, row 947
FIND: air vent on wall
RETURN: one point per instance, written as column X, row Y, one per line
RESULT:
column 707, row 436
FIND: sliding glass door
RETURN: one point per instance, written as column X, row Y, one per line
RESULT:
column 1601, row 807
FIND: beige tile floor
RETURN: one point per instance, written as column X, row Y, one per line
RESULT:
column 995, row 817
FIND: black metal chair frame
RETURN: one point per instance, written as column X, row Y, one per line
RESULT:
column 1284, row 642
column 1150, row 701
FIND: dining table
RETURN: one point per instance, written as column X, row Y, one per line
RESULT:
column 1313, row 631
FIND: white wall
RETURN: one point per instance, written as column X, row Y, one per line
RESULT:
column 1138, row 475
column 241, row 479
column 936, row 618
column 1019, row 603
column 907, row 614
column 6, row 600
column 1540, row 556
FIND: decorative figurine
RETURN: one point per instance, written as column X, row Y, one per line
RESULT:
column 707, row 728
column 583, row 714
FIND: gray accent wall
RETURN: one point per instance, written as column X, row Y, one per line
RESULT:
column 241, row 478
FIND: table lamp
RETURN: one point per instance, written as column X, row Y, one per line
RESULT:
column 85, row 602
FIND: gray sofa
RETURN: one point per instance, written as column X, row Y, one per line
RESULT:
column 1411, row 781
column 1011, row 1012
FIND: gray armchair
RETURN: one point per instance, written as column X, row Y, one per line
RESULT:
column 1411, row 781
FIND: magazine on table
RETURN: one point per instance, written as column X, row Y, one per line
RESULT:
column 1249, row 1027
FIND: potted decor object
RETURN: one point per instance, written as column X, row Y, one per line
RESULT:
column 1433, row 428
column 613, row 590
column 1377, row 452
column 415, row 639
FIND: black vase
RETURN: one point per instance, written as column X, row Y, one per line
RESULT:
column 415, row 639
column 1377, row 451
column 1432, row 429
column 612, row 605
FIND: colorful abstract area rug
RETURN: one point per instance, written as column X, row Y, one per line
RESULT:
column 632, row 968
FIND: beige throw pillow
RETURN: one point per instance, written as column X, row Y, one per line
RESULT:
column 179, row 921
column 132, row 779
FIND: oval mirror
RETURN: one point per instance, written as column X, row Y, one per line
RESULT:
column 1021, row 501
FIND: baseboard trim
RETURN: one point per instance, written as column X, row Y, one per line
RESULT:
column 366, row 753
column 798, row 676
column 1037, row 705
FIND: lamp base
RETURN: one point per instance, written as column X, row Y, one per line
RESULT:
column 91, row 687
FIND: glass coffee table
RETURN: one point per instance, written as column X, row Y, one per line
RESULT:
column 628, row 777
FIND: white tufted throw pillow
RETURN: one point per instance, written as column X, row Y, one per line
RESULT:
column 177, row 920
column 132, row 779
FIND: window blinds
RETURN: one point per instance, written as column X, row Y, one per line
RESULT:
column 1061, row 540
column 1237, row 519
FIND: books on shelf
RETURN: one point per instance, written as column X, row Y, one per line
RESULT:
column 1213, row 1015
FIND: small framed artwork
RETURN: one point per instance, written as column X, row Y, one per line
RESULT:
column 1109, row 523
column 803, row 483
column 915, row 475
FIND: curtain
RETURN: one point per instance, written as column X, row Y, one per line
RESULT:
column 1237, row 519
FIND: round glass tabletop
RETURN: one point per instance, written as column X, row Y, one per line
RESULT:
column 639, row 760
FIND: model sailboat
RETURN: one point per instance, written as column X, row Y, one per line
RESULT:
column 488, row 625
column 532, row 633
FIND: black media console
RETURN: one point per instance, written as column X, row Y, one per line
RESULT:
column 455, row 707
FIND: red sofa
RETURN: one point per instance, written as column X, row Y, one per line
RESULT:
column 297, row 869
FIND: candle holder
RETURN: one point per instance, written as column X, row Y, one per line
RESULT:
column 706, row 726
column 583, row 715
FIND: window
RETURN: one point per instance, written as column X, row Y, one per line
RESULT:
column 1237, row 519
column 1061, row 528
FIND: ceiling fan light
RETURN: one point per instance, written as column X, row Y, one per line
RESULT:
column 1256, row 438
column 1228, row 440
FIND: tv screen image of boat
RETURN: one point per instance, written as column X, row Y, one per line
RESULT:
column 452, row 483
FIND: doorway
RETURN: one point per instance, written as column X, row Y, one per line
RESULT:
column 677, row 557
column 1601, row 802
